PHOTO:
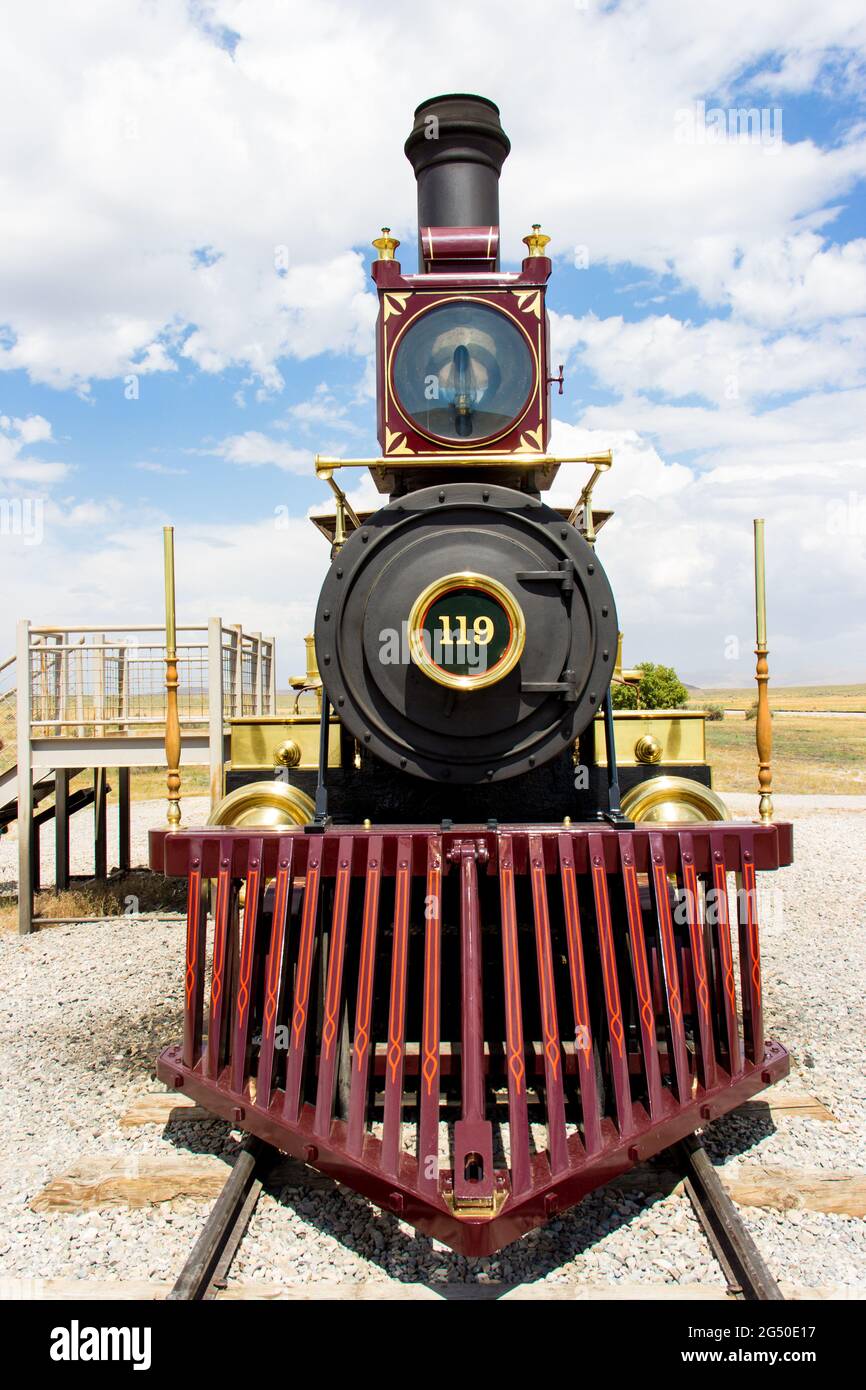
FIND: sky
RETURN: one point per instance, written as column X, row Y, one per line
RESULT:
column 188, row 192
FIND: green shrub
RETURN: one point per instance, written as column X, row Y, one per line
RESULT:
column 623, row 696
column 659, row 688
column 715, row 712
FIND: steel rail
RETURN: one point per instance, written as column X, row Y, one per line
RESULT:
column 747, row 1275
column 208, row 1262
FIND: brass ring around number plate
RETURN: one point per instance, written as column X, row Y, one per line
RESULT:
column 466, row 580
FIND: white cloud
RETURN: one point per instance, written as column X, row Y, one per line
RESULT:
column 679, row 555
column 321, row 410
column 799, row 280
column 164, row 469
column 116, row 577
column 722, row 360
column 92, row 513
column 255, row 448
column 33, row 429
column 15, row 436
column 814, row 430
column 150, row 143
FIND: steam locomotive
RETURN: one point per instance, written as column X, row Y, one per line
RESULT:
column 447, row 961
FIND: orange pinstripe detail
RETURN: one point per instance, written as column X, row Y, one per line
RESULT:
column 608, row 962
column 193, row 919
column 247, row 949
column 332, row 1000
column 545, row 967
column 514, row 1024
column 220, row 944
column 721, row 886
column 668, row 940
column 431, row 979
column 305, row 954
column 575, row 961
column 397, row 1006
column 752, row 921
column 642, row 971
column 365, row 977
column 280, row 894
column 691, row 885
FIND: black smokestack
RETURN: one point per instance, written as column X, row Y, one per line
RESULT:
column 457, row 149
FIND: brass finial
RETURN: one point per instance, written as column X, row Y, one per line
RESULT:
column 536, row 241
column 386, row 245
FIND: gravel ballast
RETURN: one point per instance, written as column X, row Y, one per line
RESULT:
column 86, row 1008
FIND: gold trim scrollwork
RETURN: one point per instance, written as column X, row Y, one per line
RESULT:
column 528, row 301
column 395, row 442
column 394, row 303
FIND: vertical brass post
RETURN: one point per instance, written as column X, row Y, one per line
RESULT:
column 172, row 719
column 763, row 722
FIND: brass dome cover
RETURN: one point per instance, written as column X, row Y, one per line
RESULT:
column 263, row 806
column 680, row 799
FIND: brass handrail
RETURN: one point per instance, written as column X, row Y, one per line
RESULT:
column 325, row 466
column 600, row 464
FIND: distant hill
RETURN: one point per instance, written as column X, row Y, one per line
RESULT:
column 848, row 699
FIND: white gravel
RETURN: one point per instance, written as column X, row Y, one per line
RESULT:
column 86, row 1008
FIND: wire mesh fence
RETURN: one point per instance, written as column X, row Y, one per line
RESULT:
column 88, row 684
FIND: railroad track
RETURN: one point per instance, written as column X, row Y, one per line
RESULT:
column 746, row 1273
column 207, row 1265
column 206, row 1269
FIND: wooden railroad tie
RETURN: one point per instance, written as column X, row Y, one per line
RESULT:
column 165, row 1107
column 134, row 1180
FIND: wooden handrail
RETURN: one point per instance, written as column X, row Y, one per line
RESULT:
column 763, row 720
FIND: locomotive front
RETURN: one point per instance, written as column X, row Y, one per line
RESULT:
column 466, row 633
column 463, row 982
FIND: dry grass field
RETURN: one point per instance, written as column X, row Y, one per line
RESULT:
column 152, row 893
column 843, row 699
column 824, row 756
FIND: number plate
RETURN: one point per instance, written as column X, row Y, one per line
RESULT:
column 466, row 631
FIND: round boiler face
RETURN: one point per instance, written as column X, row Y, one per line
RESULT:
column 466, row 633
column 463, row 370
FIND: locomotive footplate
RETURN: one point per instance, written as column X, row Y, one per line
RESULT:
column 473, row 1027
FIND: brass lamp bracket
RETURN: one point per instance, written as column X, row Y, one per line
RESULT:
column 345, row 512
column 581, row 513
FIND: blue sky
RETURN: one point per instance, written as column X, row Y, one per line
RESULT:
column 190, row 192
